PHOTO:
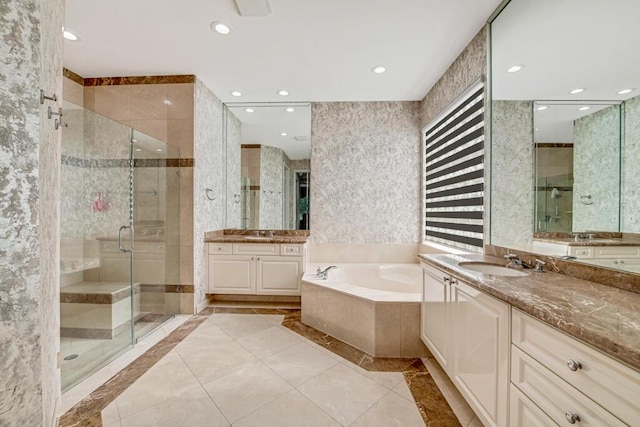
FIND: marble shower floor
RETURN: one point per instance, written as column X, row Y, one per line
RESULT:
column 226, row 367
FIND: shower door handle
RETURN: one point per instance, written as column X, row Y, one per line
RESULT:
column 120, row 238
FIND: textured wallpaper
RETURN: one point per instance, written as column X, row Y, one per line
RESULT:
column 470, row 65
column 630, row 175
column 29, row 212
column 209, row 152
column 365, row 180
column 234, row 133
column 596, row 171
column 271, row 179
column 512, row 198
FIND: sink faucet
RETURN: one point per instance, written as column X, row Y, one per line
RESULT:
column 515, row 262
column 325, row 273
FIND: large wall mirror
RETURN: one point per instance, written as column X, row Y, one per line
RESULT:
column 565, row 130
column 271, row 190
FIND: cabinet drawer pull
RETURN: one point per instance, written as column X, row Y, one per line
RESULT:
column 446, row 279
column 573, row 365
column 571, row 417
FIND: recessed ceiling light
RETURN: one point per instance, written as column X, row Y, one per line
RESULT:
column 283, row 134
column 585, row 108
column 515, row 68
column 625, row 91
column 220, row 27
column 378, row 69
column 68, row 35
column 158, row 149
column 289, row 110
column 167, row 102
column 138, row 149
column 236, row 93
column 577, row 90
column 249, row 110
column 542, row 107
column 283, row 92
column 134, row 140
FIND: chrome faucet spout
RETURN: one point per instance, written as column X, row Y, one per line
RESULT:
column 325, row 273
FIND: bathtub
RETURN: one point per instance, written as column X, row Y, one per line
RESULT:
column 373, row 307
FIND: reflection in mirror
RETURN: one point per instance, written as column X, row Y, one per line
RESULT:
column 565, row 129
column 275, row 145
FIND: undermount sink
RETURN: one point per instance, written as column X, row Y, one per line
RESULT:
column 257, row 238
column 488, row 268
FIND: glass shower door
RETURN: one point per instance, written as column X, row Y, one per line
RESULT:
column 97, row 291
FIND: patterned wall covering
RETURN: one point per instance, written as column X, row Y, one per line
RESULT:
column 209, row 152
column 29, row 212
column 512, row 198
column 630, row 175
column 366, row 172
column 596, row 171
column 271, row 178
column 234, row 133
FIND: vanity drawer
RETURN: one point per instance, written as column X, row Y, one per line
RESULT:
column 523, row 412
column 554, row 396
column 581, row 251
column 613, row 385
column 220, row 248
column 256, row 249
column 292, row 250
column 615, row 251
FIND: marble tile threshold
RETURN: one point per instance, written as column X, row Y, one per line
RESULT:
column 431, row 403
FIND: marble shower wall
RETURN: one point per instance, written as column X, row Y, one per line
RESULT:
column 209, row 150
column 234, row 134
column 271, row 179
column 596, row 171
column 31, row 42
column 366, row 172
column 512, row 196
column 630, row 176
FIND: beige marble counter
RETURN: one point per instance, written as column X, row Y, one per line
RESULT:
column 602, row 316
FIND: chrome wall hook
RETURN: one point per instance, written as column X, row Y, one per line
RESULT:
column 53, row 97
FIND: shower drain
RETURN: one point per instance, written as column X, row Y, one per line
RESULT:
column 70, row 357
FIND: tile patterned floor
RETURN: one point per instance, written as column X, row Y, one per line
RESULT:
column 252, row 367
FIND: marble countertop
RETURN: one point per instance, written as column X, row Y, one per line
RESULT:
column 230, row 238
column 570, row 241
column 604, row 317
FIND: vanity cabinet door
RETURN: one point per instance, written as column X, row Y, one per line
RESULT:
column 434, row 313
column 278, row 275
column 231, row 274
column 480, row 360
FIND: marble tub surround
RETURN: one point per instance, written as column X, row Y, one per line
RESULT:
column 246, row 236
column 299, row 378
column 602, row 316
column 606, row 276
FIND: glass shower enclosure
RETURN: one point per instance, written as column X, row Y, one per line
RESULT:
column 118, row 228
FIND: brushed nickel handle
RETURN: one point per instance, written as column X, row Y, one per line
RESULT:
column 571, row 417
column 573, row 365
column 446, row 279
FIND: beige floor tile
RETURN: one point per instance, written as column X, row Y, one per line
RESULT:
column 192, row 408
column 169, row 378
column 290, row 410
column 402, row 389
column 240, row 325
column 299, row 363
column 242, row 392
column 343, row 393
column 116, row 423
column 111, row 414
column 386, row 379
column 391, row 410
column 218, row 361
column 268, row 342
column 276, row 319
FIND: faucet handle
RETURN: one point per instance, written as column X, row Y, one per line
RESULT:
column 319, row 271
column 511, row 256
column 539, row 265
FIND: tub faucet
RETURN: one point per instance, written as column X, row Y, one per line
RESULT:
column 325, row 273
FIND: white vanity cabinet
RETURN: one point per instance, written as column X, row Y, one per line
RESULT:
column 468, row 333
column 255, row 268
column 567, row 380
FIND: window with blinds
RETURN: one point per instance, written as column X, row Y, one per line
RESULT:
column 454, row 173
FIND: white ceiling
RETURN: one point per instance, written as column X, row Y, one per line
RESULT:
column 320, row 50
